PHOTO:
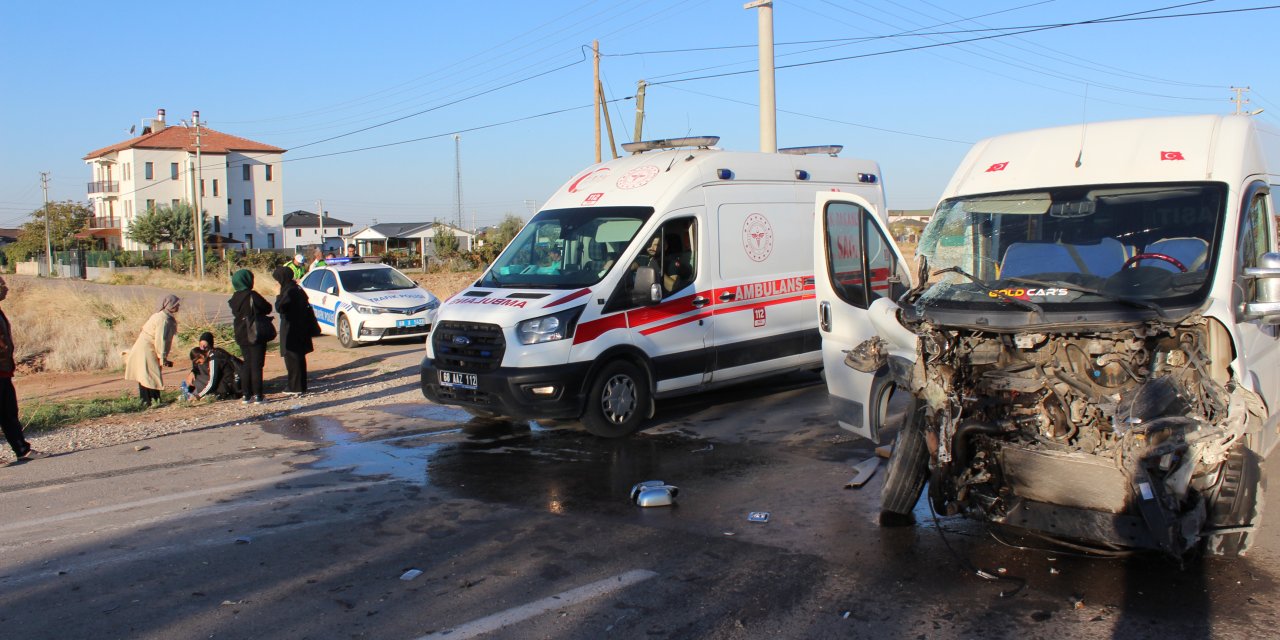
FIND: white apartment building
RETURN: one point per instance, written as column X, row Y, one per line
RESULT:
column 237, row 182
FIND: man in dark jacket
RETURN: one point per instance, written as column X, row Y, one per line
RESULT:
column 8, row 396
column 297, row 327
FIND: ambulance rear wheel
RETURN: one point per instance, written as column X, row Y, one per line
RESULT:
column 344, row 333
column 619, row 401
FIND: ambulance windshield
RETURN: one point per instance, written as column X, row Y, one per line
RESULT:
column 1073, row 249
column 566, row 248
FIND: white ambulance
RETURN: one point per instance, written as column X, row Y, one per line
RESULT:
column 1092, row 352
column 675, row 269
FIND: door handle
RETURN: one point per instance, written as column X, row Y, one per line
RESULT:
column 726, row 296
column 700, row 302
column 824, row 316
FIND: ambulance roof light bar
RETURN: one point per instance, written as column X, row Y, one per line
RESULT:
column 701, row 142
column 832, row 150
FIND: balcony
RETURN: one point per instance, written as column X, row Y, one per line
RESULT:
column 104, row 186
column 104, row 222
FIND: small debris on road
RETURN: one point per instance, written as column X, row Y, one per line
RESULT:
column 863, row 472
column 1053, row 571
column 410, row 574
column 141, row 447
column 845, row 615
column 654, row 493
column 758, row 516
column 1077, row 602
column 710, row 447
column 244, row 540
column 232, row 603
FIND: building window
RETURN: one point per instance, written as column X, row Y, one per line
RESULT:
column 297, row 233
column 147, row 171
column 202, row 188
column 339, row 231
column 174, row 203
column 247, row 172
column 248, row 207
column 248, row 240
column 151, row 204
column 173, row 170
column 217, row 224
column 215, row 187
column 271, row 240
column 268, row 168
column 271, row 207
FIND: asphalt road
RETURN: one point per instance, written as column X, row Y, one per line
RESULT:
column 310, row 527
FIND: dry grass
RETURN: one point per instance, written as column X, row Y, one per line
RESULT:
column 215, row 283
column 58, row 329
column 445, row 284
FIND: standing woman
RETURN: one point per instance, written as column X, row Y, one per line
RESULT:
column 150, row 351
column 247, row 304
column 297, row 327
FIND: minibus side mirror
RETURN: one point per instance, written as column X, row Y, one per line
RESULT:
column 1266, row 303
column 646, row 290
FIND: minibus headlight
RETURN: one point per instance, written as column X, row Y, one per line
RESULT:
column 556, row 326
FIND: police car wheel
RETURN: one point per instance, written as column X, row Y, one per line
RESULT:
column 344, row 333
column 619, row 401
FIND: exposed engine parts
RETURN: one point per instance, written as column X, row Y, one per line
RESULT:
column 1120, row 437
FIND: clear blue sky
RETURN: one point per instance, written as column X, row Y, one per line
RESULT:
column 75, row 76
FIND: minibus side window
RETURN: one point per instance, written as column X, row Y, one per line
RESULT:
column 1255, row 238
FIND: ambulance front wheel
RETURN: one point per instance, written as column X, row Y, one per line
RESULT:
column 619, row 401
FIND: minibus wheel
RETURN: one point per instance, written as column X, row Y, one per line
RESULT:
column 908, row 468
column 619, row 400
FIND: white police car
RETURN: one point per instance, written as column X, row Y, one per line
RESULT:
column 368, row 303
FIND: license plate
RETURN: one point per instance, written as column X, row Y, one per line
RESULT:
column 413, row 322
column 459, row 380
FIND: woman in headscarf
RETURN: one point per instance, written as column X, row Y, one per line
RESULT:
column 150, row 352
column 297, row 327
column 246, row 304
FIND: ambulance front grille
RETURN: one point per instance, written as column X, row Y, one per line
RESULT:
column 468, row 346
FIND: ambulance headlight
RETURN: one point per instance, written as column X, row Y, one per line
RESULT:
column 556, row 326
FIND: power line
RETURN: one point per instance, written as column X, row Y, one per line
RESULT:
column 1113, row 19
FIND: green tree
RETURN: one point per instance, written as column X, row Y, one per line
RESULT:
column 506, row 230
column 181, row 226
column 445, row 241
column 66, row 219
column 149, row 228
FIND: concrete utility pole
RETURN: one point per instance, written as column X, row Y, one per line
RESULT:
column 320, row 217
column 198, row 216
column 48, row 242
column 457, row 178
column 768, row 96
column 595, row 89
column 640, row 87
column 1240, row 100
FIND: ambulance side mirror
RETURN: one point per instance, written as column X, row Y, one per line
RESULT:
column 646, row 290
column 1266, row 303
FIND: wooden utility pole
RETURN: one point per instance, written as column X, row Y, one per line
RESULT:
column 198, row 215
column 320, row 221
column 640, row 87
column 595, row 89
column 604, row 107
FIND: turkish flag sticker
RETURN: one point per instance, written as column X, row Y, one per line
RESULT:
column 999, row 166
column 1171, row 155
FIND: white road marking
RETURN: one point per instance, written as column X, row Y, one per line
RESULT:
column 538, row 607
column 73, row 515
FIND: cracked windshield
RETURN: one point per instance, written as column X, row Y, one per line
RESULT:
column 1087, row 247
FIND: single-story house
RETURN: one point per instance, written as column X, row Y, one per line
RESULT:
column 405, row 236
column 302, row 229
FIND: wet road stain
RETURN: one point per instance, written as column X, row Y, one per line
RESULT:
column 552, row 467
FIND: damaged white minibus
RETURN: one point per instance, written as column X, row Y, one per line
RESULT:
column 1091, row 341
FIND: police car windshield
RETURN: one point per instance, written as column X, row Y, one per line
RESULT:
column 566, row 248
column 384, row 279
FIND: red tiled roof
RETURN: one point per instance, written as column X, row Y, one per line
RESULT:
column 211, row 141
